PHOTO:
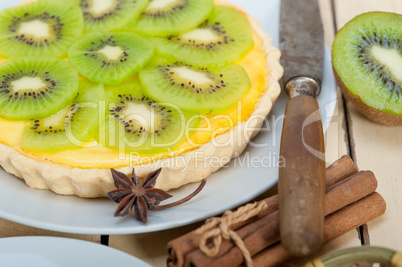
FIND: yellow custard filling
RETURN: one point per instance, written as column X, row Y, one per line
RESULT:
column 97, row 156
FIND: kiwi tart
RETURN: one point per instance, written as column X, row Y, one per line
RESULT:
column 160, row 84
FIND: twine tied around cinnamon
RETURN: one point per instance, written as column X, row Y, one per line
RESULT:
column 215, row 229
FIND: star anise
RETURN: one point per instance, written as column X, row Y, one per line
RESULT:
column 130, row 193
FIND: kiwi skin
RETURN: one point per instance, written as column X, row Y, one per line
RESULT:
column 378, row 116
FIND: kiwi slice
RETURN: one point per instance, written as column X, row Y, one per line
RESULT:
column 70, row 128
column 41, row 28
column 106, row 15
column 130, row 87
column 195, row 89
column 110, row 58
column 367, row 59
column 33, row 88
column 135, row 123
column 226, row 37
column 170, row 17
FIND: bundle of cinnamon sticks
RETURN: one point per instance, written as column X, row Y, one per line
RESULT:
column 350, row 201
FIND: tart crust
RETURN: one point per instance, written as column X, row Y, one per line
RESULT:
column 189, row 167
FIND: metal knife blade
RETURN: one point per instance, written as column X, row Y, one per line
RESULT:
column 301, row 39
column 301, row 183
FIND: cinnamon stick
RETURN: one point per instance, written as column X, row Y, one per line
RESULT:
column 180, row 247
column 265, row 231
column 349, row 190
column 336, row 224
column 340, row 170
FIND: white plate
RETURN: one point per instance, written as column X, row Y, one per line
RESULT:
column 240, row 181
column 41, row 251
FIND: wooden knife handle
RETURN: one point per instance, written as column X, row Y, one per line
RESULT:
column 302, row 177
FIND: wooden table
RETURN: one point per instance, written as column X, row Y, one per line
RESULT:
column 372, row 147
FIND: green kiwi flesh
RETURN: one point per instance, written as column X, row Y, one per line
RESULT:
column 137, row 124
column 106, row 15
column 70, row 128
column 42, row 28
column 151, row 112
column 110, row 58
column 171, row 17
column 367, row 60
column 33, row 88
column 225, row 37
column 196, row 89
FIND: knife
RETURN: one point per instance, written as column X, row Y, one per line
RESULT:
column 301, row 183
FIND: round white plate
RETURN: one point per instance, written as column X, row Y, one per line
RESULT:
column 240, row 181
column 41, row 251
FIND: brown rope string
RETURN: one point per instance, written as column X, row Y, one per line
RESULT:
column 215, row 229
column 315, row 263
column 396, row 260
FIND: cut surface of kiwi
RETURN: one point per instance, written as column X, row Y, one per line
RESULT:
column 367, row 60
column 33, row 88
column 195, row 89
column 106, row 15
column 129, row 87
column 110, row 58
column 137, row 124
column 41, row 28
column 225, row 37
column 170, row 17
column 70, row 128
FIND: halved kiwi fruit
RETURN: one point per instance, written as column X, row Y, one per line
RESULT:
column 42, row 28
column 367, row 60
column 110, row 58
column 137, row 124
column 33, row 88
column 225, row 37
column 106, row 15
column 170, row 17
column 70, row 128
column 195, row 89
